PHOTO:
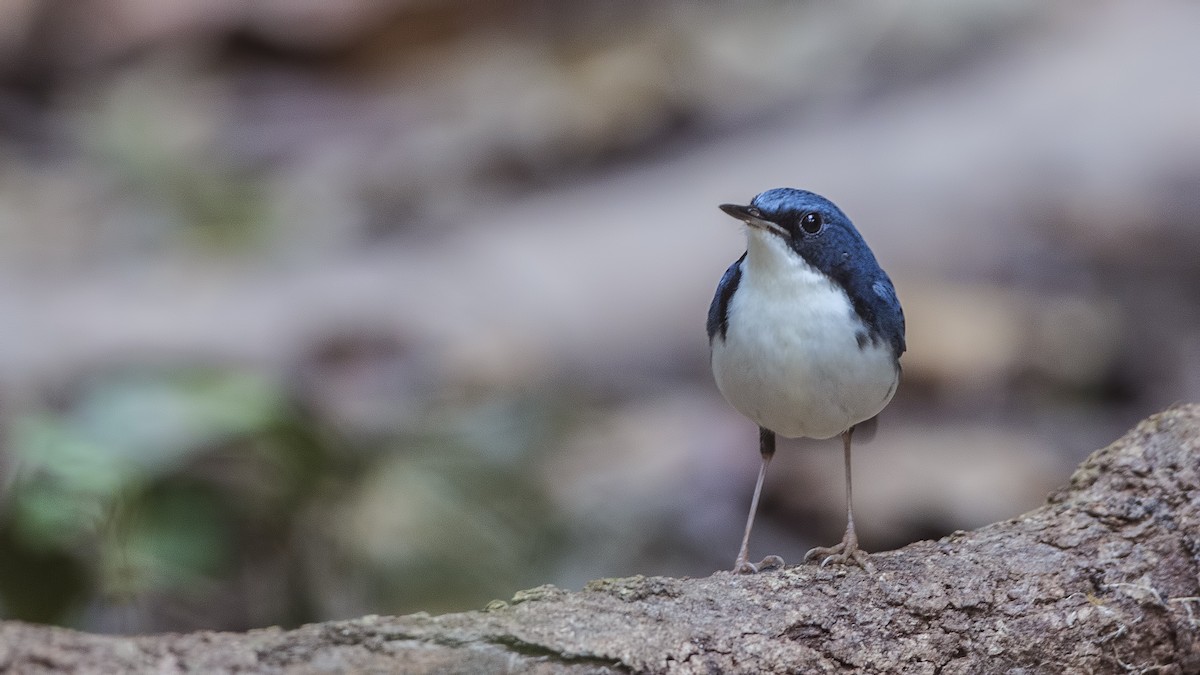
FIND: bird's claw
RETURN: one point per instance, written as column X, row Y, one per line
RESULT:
column 768, row 563
column 846, row 552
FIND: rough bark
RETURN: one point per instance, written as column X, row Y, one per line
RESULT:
column 1102, row 579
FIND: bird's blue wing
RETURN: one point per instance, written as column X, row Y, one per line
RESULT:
column 889, row 317
column 718, row 311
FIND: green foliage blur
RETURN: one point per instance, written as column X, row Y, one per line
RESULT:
column 146, row 482
column 202, row 496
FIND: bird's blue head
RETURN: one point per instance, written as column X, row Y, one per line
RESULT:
column 816, row 230
column 810, row 225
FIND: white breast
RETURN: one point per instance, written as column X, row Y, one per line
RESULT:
column 791, row 360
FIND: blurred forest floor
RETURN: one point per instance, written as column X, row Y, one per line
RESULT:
column 313, row 310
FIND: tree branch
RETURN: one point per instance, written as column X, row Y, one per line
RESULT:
column 1102, row 579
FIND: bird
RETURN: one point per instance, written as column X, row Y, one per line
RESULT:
column 806, row 333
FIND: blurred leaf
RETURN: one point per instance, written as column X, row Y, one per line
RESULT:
column 64, row 485
column 161, row 418
column 173, row 537
column 102, row 484
column 124, row 431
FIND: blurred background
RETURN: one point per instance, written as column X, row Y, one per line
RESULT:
column 313, row 309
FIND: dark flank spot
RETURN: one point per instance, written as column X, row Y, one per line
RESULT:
column 863, row 339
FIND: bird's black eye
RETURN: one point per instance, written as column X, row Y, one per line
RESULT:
column 811, row 223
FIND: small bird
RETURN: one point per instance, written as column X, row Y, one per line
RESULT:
column 806, row 334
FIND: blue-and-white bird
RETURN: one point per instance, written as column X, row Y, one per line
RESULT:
column 806, row 335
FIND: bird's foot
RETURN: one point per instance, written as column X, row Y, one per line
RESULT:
column 768, row 563
column 846, row 552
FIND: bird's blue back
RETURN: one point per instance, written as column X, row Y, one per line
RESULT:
column 839, row 252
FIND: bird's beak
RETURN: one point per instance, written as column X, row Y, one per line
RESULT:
column 752, row 217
